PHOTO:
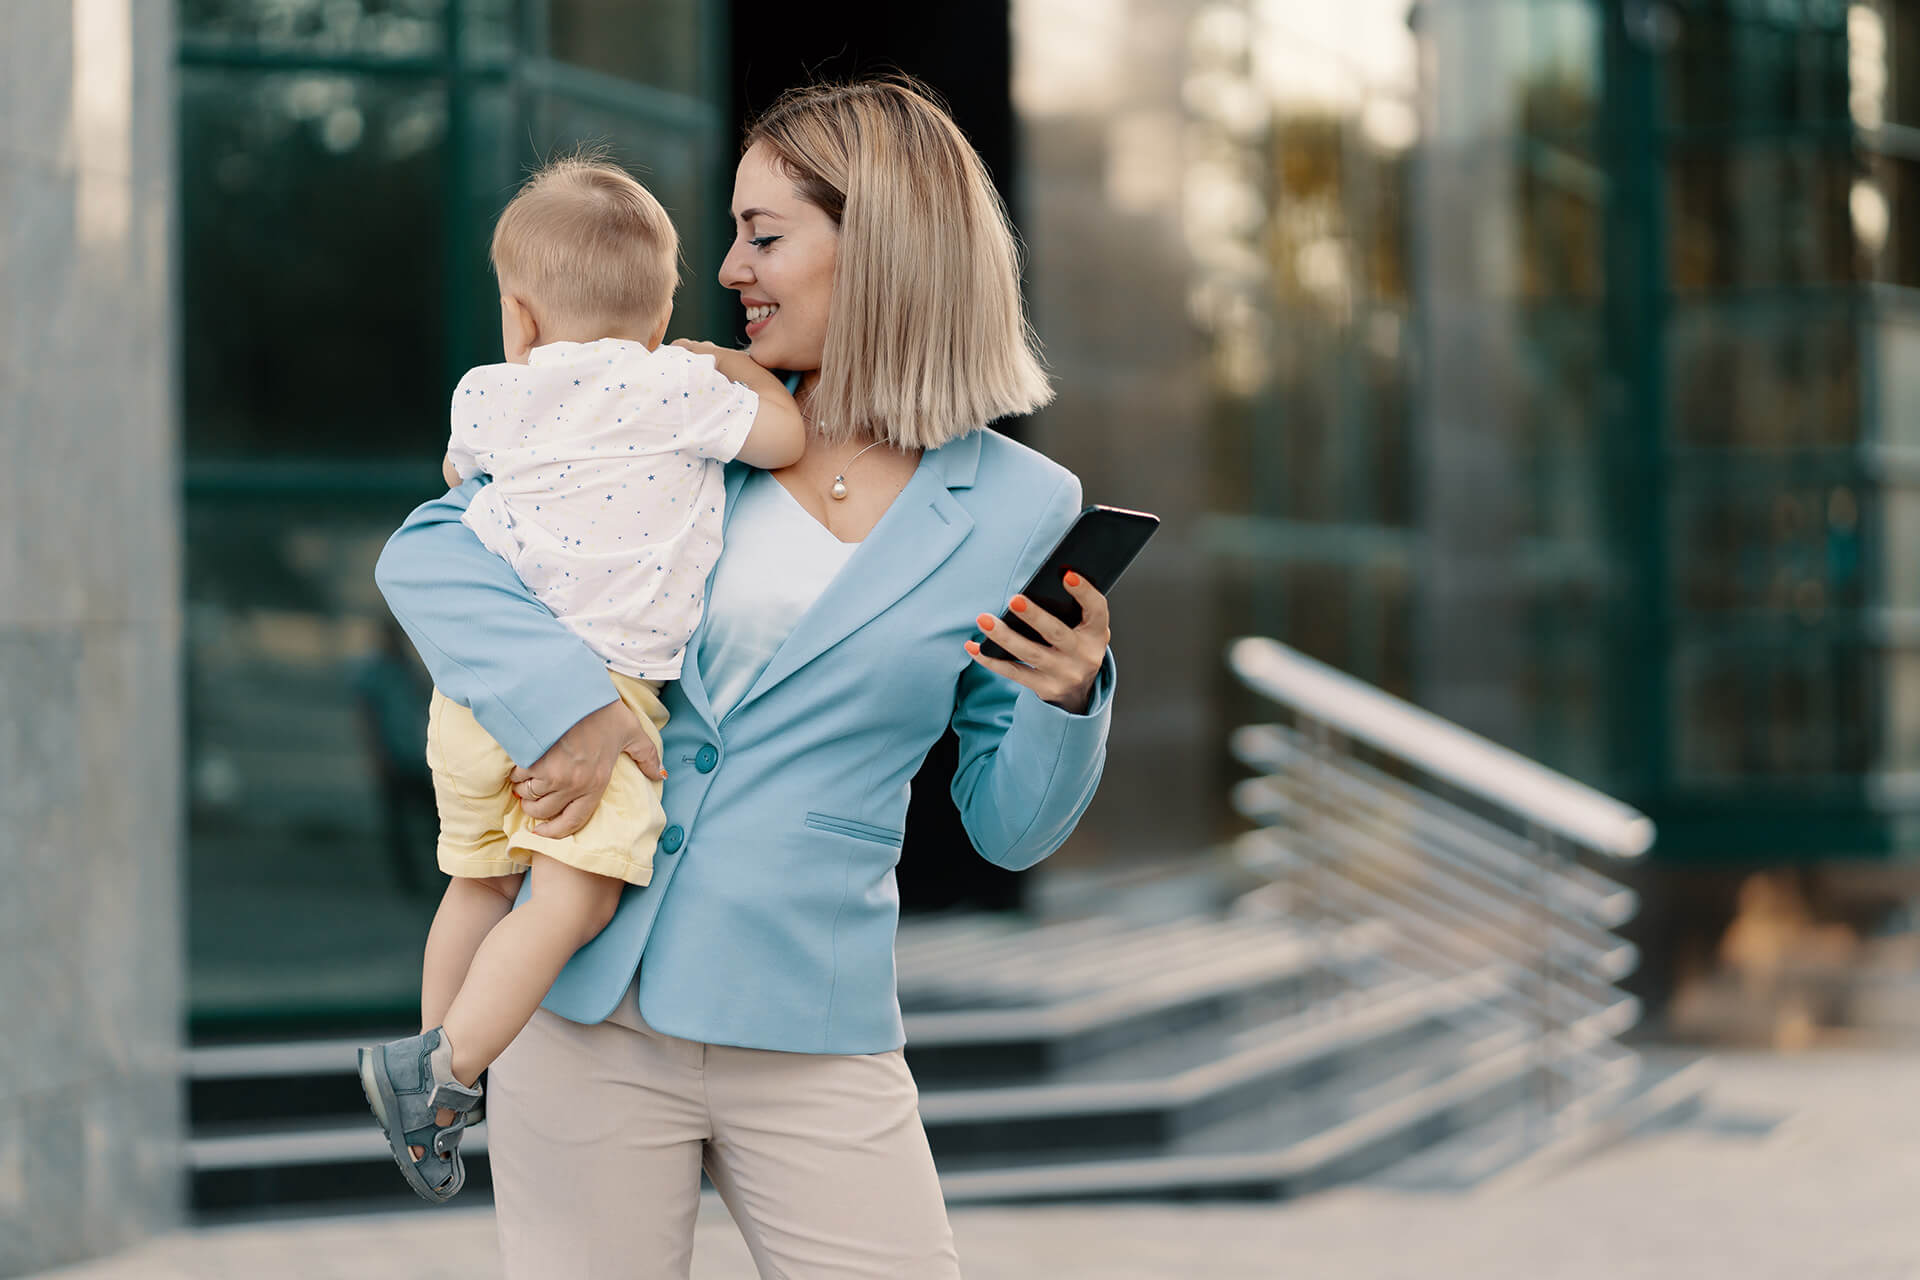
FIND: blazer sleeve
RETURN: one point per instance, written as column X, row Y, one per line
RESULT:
column 489, row 643
column 1027, row 768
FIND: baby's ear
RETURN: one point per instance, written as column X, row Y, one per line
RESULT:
column 519, row 330
column 660, row 330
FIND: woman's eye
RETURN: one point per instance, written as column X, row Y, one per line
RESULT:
column 761, row 242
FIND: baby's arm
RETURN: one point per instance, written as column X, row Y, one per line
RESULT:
column 449, row 472
column 779, row 434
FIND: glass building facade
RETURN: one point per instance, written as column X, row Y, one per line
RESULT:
column 1564, row 351
column 1549, row 362
column 341, row 166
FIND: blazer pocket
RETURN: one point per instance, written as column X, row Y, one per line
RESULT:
column 858, row 830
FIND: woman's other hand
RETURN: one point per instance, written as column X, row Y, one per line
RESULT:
column 564, row 786
column 1062, row 670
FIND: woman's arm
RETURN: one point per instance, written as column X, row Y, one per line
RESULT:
column 1028, row 768
column 488, row 642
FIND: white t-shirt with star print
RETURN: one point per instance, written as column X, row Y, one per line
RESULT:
column 606, row 490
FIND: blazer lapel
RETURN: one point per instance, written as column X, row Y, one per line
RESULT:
column 915, row 536
column 690, row 682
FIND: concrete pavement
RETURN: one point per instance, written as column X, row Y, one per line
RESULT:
column 1800, row 1168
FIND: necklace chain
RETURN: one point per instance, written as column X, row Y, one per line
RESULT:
column 838, row 489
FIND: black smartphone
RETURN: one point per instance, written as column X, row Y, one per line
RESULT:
column 1099, row 547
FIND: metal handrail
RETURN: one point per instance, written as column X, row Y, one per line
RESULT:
column 1442, row 749
column 1372, row 809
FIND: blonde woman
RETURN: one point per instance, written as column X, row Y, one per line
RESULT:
column 739, row 1013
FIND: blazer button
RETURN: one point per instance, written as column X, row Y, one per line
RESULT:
column 706, row 759
column 671, row 839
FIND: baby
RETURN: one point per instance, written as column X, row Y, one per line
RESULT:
column 605, row 451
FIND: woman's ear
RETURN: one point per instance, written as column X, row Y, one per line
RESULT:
column 519, row 329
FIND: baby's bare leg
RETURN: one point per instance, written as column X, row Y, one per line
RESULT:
column 468, row 911
column 521, row 957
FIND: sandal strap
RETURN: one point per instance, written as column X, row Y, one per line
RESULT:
column 447, row 1141
column 455, row 1096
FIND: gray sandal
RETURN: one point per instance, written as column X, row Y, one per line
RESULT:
column 407, row 1082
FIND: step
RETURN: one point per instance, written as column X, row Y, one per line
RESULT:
column 336, row 1163
column 1273, row 1083
column 1167, row 982
column 1156, row 1094
column 1295, row 1145
column 1240, row 969
column 1526, row 1144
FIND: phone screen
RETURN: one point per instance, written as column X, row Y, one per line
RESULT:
column 1099, row 547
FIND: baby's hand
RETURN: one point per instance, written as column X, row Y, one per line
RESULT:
column 700, row 348
column 449, row 472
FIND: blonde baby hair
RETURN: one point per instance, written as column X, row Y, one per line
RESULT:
column 588, row 244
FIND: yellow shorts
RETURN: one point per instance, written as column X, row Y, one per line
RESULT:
column 482, row 829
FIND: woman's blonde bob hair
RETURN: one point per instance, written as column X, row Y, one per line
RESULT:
column 927, row 336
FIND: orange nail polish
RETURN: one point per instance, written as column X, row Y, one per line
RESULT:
column 1073, row 579
column 986, row 624
column 972, row 647
column 1019, row 604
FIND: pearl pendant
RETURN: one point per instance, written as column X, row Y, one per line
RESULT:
column 839, row 490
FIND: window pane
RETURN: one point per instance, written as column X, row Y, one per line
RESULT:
column 1760, row 376
column 1727, row 69
column 1759, row 215
column 1899, row 536
column 1902, row 711
column 1770, row 539
column 1563, row 65
column 313, row 209
column 393, row 28
column 1794, row 710
column 651, row 42
column 311, row 813
column 1886, row 207
column 677, row 165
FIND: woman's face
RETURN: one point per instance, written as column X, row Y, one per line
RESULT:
column 781, row 264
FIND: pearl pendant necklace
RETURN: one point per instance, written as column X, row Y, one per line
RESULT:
column 838, row 490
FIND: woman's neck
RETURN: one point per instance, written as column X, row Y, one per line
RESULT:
column 817, row 430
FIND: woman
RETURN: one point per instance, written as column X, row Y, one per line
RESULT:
column 761, row 1037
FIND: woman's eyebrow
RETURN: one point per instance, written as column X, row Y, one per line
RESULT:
column 748, row 215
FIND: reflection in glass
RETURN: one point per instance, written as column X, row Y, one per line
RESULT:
column 1748, row 65
column 651, row 42
column 390, row 28
column 1800, row 709
column 1768, row 539
column 311, row 816
column 1759, row 215
column 1754, row 375
column 313, row 313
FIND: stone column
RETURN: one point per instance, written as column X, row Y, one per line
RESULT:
column 90, row 733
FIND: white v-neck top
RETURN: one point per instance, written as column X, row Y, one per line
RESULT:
column 776, row 562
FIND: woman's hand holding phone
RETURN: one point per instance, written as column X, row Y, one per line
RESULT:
column 1061, row 670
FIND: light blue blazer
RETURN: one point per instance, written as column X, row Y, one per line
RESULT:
column 771, row 916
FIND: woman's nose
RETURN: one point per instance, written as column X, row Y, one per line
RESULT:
column 734, row 273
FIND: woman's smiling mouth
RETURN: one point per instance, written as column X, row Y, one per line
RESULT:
column 758, row 313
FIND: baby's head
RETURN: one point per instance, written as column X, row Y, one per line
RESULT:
column 583, row 252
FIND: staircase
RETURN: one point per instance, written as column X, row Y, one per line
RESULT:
column 1225, row 1055
column 1415, row 991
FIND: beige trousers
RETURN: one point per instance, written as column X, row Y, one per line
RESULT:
column 597, row 1136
